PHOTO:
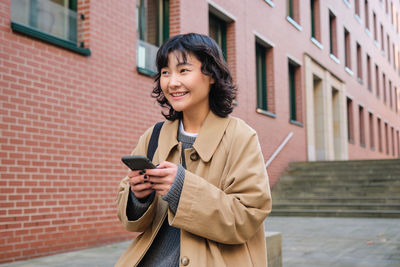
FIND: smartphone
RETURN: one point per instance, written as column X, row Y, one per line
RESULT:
column 137, row 162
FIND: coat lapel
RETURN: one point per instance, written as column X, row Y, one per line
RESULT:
column 206, row 143
column 210, row 136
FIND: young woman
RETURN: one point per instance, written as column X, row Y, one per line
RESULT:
column 205, row 203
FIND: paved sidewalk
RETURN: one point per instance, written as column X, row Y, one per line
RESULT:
column 333, row 242
column 306, row 241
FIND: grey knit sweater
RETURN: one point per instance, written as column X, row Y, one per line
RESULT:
column 165, row 248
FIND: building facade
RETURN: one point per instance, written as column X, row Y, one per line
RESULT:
column 317, row 80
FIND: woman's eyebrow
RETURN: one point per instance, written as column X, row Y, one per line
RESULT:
column 183, row 64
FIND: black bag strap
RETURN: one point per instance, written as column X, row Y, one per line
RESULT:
column 153, row 144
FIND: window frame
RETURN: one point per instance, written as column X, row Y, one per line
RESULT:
column 221, row 30
column 371, row 131
column 261, row 77
column 359, row 63
column 369, row 73
column 361, row 124
column 52, row 39
column 350, row 120
column 347, row 49
column 380, row 143
column 333, row 46
column 315, row 20
column 294, row 74
column 162, row 30
column 265, row 99
column 366, row 14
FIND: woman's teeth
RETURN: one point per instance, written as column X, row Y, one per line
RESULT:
column 178, row 94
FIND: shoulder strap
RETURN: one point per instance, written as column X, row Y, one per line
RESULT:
column 153, row 144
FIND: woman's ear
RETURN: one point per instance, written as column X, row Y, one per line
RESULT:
column 212, row 80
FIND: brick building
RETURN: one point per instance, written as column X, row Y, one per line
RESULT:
column 319, row 79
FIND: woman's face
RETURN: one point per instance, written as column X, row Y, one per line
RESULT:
column 184, row 85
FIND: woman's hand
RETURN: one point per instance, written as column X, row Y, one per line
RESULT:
column 139, row 183
column 163, row 177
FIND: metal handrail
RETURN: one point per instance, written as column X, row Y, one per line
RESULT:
column 278, row 149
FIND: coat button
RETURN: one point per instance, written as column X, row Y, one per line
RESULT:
column 185, row 261
column 194, row 156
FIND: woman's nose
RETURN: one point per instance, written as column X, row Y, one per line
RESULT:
column 174, row 81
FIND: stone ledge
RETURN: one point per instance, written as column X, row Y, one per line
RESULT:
column 274, row 248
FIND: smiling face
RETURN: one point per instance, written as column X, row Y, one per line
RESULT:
column 185, row 86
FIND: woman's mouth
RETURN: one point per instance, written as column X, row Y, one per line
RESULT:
column 178, row 94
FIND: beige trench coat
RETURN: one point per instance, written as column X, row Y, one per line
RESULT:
column 224, row 201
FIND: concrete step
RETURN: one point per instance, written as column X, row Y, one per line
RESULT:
column 341, row 163
column 335, row 206
column 335, row 199
column 327, row 193
column 344, row 174
column 309, row 187
column 339, row 188
column 338, row 183
column 330, row 213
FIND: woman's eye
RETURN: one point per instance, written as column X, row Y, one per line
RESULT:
column 164, row 72
column 184, row 70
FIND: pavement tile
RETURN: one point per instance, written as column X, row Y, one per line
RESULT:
column 306, row 241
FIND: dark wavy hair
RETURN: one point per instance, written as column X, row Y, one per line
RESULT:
column 206, row 50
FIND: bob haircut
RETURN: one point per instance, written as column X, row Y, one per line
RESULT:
column 206, row 50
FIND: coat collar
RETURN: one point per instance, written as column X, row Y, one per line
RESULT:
column 206, row 142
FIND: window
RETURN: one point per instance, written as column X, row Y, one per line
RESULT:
column 379, row 135
column 366, row 13
column 264, row 76
column 386, row 7
column 221, row 28
column 384, row 87
column 350, row 123
column 396, row 99
column 375, row 27
column 52, row 21
column 397, row 23
column 361, row 125
column 294, row 93
column 332, row 35
column 386, row 138
column 347, row 49
column 152, row 30
column 315, row 20
column 382, row 41
column 392, row 12
column 359, row 63
column 357, row 8
column 293, row 12
column 392, row 134
column 371, row 131
column 388, row 46
column 398, row 143
column 390, row 94
column 217, row 31
column 369, row 78
column 377, row 81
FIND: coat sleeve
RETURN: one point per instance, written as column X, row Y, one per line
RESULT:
column 233, row 213
column 146, row 219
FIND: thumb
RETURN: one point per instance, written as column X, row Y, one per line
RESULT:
column 165, row 164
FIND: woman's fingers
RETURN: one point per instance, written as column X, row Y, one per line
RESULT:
column 134, row 173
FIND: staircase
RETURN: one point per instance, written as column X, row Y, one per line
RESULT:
column 357, row 188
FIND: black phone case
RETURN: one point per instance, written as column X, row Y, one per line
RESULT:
column 137, row 162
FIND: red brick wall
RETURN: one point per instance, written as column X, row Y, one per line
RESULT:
column 66, row 119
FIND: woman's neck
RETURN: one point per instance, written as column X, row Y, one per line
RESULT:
column 192, row 122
